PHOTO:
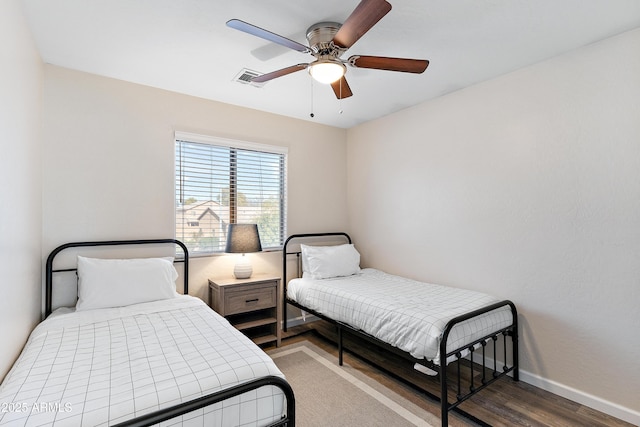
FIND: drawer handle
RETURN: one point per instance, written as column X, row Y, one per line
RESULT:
column 252, row 300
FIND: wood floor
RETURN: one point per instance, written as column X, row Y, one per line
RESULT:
column 504, row 403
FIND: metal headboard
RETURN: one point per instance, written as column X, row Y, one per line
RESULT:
column 286, row 252
column 49, row 266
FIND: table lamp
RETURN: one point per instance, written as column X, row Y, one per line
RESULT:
column 243, row 238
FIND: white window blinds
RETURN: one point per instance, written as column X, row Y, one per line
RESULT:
column 221, row 182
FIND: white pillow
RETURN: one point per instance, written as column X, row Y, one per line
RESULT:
column 323, row 262
column 106, row 283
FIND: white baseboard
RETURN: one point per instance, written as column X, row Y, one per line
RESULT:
column 610, row 408
column 626, row 414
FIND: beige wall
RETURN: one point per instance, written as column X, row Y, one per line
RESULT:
column 526, row 187
column 20, row 215
column 109, row 161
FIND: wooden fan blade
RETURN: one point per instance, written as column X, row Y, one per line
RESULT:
column 341, row 88
column 364, row 16
column 279, row 73
column 267, row 35
column 392, row 64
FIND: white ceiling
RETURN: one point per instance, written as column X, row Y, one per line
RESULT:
column 185, row 46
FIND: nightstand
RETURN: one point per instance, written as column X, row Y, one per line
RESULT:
column 251, row 305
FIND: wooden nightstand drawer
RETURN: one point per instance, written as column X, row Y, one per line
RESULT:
column 250, row 300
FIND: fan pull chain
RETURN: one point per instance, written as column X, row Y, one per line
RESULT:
column 311, row 115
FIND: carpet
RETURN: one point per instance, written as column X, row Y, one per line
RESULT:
column 331, row 395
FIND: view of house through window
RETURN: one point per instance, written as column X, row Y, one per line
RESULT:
column 220, row 182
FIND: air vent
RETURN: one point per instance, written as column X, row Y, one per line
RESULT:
column 245, row 76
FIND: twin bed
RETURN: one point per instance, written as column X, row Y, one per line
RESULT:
column 133, row 352
column 423, row 323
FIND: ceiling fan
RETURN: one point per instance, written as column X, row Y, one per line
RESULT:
column 328, row 41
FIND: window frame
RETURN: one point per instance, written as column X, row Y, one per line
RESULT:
column 233, row 144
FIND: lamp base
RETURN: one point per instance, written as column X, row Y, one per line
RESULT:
column 243, row 268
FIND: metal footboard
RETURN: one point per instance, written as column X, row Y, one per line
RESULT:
column 201, row 402
column 495, row 373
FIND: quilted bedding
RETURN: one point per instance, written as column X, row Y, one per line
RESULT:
column 407, row 314
column 100, row 367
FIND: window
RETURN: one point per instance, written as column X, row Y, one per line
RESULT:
column 221, row 182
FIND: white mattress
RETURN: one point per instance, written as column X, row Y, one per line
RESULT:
column 407, row 314
column 100, row 367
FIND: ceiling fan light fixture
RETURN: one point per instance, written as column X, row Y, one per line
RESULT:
column 328, row 41
column 327, row 71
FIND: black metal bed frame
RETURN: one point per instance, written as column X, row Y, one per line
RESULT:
column 192, row 405
column 461, row 395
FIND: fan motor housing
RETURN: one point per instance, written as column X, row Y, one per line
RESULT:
column 320, row 38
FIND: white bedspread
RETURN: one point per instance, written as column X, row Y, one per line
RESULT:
column 407, row 314
column 101, row 367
